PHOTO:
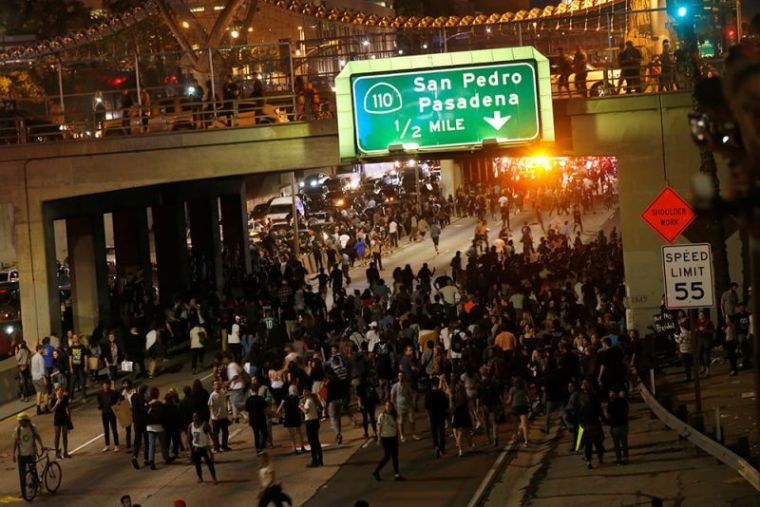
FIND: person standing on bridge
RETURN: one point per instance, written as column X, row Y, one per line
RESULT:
column 580, row 63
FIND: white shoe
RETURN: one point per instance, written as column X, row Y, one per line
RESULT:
column 116, row 449
column 105, row 449
column 416, row 437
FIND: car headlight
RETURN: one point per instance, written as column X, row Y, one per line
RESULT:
column 9, row 329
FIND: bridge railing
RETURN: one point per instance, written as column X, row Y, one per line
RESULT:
column 215, row 86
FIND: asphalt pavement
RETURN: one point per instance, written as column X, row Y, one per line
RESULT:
column 99, row 479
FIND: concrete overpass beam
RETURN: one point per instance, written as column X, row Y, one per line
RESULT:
column 206, row 239
column 235, row 230
column 451, row 176
column 132, row 245
column 87, row 264
column 169, row 233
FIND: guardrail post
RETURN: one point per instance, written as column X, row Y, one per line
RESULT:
column 652, row 385
column 718, row 433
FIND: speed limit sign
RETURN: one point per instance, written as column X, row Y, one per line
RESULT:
column 688, row 276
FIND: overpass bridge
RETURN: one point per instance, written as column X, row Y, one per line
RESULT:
column 80, row 182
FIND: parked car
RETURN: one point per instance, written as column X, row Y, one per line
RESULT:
column 282, row 207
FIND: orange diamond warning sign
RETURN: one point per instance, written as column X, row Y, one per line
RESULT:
column 669, row 214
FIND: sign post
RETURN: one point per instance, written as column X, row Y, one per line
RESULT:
column 444, row 102
column 688, row 278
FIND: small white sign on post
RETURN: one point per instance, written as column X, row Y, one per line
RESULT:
column 688, row 276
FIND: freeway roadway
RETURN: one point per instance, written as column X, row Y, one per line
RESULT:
column 99, row 479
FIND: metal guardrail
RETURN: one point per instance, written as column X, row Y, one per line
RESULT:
column 711, row 447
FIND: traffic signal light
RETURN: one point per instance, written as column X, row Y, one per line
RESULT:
column 682, row 10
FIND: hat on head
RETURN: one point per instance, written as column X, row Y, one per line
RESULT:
column 22, row 416
column 179, row 503
column 373, row 324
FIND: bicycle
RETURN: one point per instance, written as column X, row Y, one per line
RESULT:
column 44, row 467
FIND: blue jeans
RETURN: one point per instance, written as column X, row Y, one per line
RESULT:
column 161, row 436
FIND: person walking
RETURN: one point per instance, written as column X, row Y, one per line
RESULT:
column 519, row 399
column 435, row 234
column 291, row 416
column 311, row 408
column 683, row 340
column 402, row 398
column 270, row 491
column 197, row 346
column 156, row 430
column 77, row 367
column 26, row 443
column 489, row 403
column 388, row 436
column 23, row 361
column 61, row 421
column 139, row 422
column 217, row 403
column 368, row 398
column 199, row 436
column 461, row 421
column 617, row 417
column 107, row 398
column 256, row 407
column 589, row 419
column 127, row 392
column 112, row 356
column 40, row 380
column 437, row 406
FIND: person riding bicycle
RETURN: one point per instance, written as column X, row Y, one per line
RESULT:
column 25, row 440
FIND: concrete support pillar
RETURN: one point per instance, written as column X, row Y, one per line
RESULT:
column 169, row 233
column 451, row 176
column 235, row 230
column 132, row 245
column 204, row 234
column 87, row 263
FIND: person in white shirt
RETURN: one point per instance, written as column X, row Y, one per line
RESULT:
column 39, row 380
column 233, row 340
column 373, row 337
column 387, row 435
column 270, row 492
column 235, row 386
column 311, row 408
column 199, row 436
column 393, row 232
column 217, row 404
column 197, row 346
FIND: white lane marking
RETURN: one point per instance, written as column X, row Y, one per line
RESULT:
column 184, row 469
column 94, row 439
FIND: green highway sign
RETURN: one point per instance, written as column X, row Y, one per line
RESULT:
column 444, row 102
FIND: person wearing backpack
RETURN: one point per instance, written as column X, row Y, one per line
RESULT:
column 25, row 445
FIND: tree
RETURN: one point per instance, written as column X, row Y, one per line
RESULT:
column 20, row 84
column 43, row 18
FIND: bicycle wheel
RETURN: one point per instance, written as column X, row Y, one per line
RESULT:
column 53, row 477
column 31, row 485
